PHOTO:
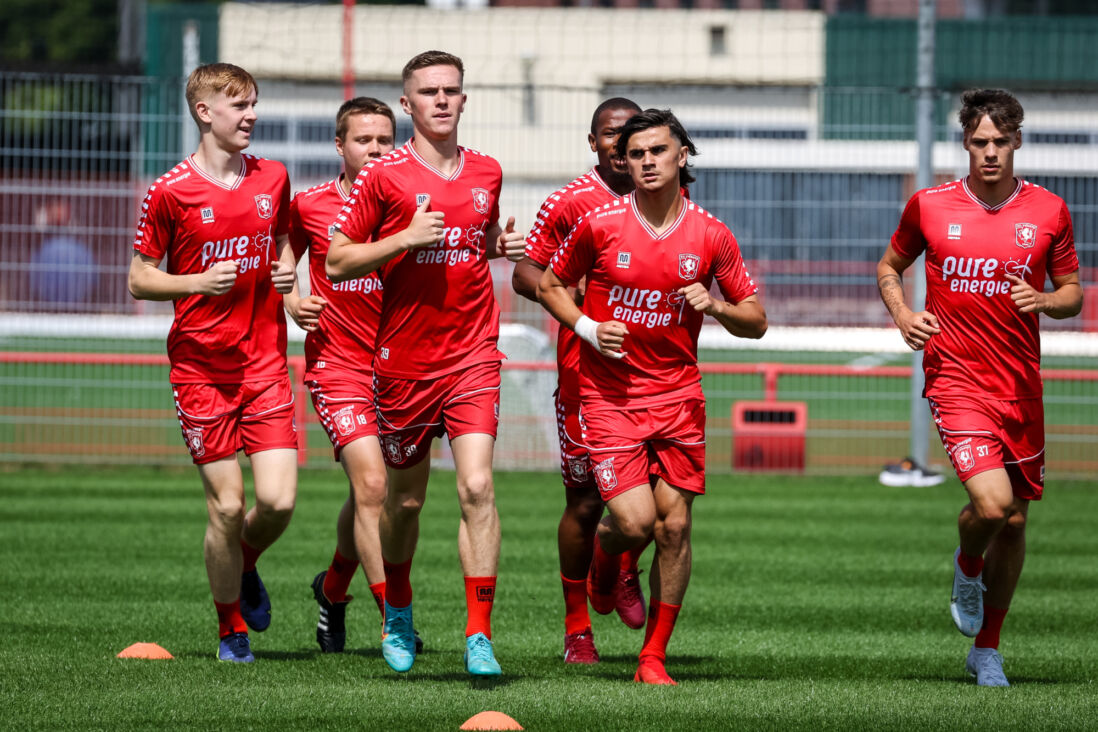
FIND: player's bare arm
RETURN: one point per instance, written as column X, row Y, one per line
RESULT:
column 148, row 282
column 916, row 328
column 348, row 259
column 305, row 311
column 1065, row 300
column 606, row 337
column 509, row 243
column 283, row 269
column 745, row 319
column 525, row 279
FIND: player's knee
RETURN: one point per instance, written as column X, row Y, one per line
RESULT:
column 1016, row 524
column 227, row 514
column 673, row 531
column 477, row 489
column 990, row 512
column 635, row 529
column 278, row 511
column 405, row 504
column 369, row 489
column 586, row 508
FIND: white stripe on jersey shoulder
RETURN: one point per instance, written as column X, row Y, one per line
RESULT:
column 322, row 188
column 973, row 196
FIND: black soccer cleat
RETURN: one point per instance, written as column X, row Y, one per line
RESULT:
column 331, row 628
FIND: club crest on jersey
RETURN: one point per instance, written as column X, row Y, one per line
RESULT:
column 207, row 214
column 345, row 421
column 392, row 449
column 605, row 475
column 1025, row 235
column 480, row 200
column 688, row 266
column 193, row 435
column 264, row 206
column 964, row 458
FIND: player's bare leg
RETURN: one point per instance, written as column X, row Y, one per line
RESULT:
column 398, row 530
column 628, row 523
column 275, row 474
column 990, row 501
column 225, row 506
column 478, row 546
column 671, row 575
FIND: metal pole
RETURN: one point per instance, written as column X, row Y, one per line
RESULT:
column 191, row 47
column 348, row 49
column 924, row 178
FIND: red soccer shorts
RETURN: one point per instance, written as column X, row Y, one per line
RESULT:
column 345, row 409
column 985, row 434
column 412, row 412
column 575, row 468
column 629, row 445
column 219, row 419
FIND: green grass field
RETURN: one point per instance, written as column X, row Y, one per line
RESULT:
column 816, row 603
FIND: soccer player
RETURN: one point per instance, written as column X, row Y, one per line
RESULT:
column 990, row 240
column 609, row 179
column 649, row 259
column 221, row 218
column 426, row 218
column 341, row 320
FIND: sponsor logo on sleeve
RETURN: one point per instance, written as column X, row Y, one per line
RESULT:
column 480, row 200
column 688, row 266
column 1025, row 235
column 264, row 206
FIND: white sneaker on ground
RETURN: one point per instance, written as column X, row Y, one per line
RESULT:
column 966, row 604
column 907, row 472
column 987, row 666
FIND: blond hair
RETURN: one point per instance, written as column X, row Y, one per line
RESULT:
column 207, row 80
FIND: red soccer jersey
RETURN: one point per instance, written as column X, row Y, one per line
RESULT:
column 986, row 344
column 438, row 314
column 342, row 346
column 555, row 220
column 196, row 221
column 634, row 277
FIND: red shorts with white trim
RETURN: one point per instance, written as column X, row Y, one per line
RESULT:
column 345, row 409
column 219, row 419
column 985, row 434
column 632, row 447
column 575, row 468
column 412, row 412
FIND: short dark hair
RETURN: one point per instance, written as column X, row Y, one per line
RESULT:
column 361, row 105
column 650, row 118
column 614, row 103
column 431, row 58
column 998, row 104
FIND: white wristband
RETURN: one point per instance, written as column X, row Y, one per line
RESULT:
column 588, row 330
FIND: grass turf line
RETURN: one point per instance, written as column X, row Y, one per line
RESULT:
column 816, row 603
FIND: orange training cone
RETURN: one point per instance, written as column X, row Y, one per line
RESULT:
column 145, row 650
column 490, row 720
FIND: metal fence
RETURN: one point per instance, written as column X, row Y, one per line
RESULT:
column 812, row 210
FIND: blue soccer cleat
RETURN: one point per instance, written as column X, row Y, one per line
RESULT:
column 255, row 604
column 480, row 659
column 235, row 648
column 987, row 666
column 398, row 638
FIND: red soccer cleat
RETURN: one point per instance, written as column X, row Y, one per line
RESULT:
column 651, row 671
column 580, row 648
column 629, row 599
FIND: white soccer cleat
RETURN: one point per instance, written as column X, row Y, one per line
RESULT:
column 907, row 472
column 987, row 666
column 966, row 604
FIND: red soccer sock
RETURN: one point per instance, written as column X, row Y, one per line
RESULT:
column 229, row 619
column 661, row 623
column 606, row 566
column 398, row 585
column 340, row 573
column 988, row 637
column 251, row 554
column 576, row 618
column 629, row 558
column 480, row 594
column 378, row 591
column 971, row 566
